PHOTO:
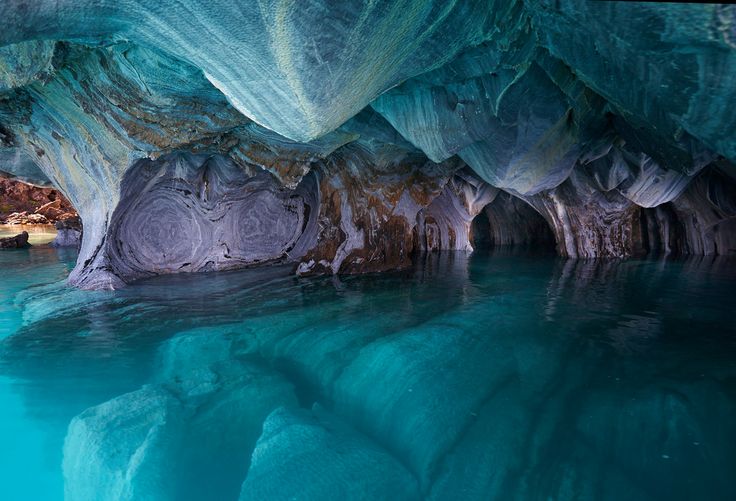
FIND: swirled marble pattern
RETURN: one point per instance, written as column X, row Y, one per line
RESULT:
column 200, row 213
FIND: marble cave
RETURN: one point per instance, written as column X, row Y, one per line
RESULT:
column 367, row 250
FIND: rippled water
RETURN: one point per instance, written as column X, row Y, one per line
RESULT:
column 481, row 377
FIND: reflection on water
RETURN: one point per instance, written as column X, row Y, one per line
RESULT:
column 470, row 377
column 37, row 233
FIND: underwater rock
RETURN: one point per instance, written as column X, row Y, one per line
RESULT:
column 135, row 446
column 466, row 382
column 119, row 448
column 313, row 456
column 414, row 365
column 605, row 425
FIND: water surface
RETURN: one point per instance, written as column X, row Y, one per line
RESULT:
column 469, row 377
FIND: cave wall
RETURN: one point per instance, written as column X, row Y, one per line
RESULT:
column 200, row 213
column 395, row 123
column 445, row 224
column 700, row 221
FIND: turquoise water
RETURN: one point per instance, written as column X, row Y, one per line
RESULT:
column 471, row 377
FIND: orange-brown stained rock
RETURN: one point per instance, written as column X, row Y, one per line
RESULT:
column 387, row 247
column 19, row 202
column 330, row 236
column 383, row 206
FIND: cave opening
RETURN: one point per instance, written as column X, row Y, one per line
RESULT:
column 510, row 223
column 32, row 214
column 480, row 232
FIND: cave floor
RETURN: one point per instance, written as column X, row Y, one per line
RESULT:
column 481, row 376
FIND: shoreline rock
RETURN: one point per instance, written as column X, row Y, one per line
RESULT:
column 21, row 218
column 68, row 232
column 19, row 241
column 22, row 203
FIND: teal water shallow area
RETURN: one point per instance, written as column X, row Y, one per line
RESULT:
column 486, row 376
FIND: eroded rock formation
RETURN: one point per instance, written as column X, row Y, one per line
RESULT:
column 344, row 136
column 68, row 232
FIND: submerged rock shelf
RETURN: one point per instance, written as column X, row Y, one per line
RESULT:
column 343, row 137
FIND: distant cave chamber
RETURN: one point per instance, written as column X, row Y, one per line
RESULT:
column 509, row 222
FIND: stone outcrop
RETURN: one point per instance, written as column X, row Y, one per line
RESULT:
column 26, row 218
column 17, row 242
column 344, row 138
column 22, row 203
column 68, row 232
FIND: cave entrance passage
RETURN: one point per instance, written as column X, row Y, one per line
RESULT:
column 41, row 212
column 480, row 232
column 509, row 222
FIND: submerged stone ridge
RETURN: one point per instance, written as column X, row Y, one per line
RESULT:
column 345, row 137
column 308, row 445
column 125, row 447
